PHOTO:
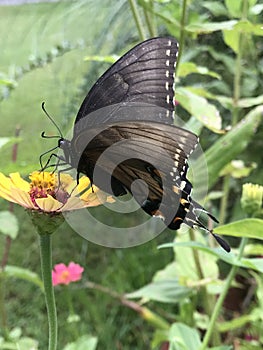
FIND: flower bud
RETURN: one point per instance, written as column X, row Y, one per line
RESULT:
column 251, row 200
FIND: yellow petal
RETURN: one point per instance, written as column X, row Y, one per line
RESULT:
column 93, row 199
column 75, row 189
column 5, row 182
column 65, row 181
column 17, row 181
column 6, row 195
column 84, row 182
column 11, row 189
column 110, row 199
column 48, row 204
column 73, row 203
column 22, row 198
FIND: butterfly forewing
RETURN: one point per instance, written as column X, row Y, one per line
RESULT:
column 144, row 74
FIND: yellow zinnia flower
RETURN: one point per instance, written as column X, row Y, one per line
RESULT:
column 49, row 193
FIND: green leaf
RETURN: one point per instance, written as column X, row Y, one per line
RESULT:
column 8, row 82
column 254, row 249
column 216, row 8
column 200, row 91
column 231, row 37
column 190, row 67
column 24, row 274
column 230, row 258
column 246, row 27
column 226, row 59
column 231, row 145
column 160, row 336
column 234, row 7
column 250, row 101
column 239, row 322
column 9, row 141
column 210, row 27
column 86, row 342
column 15, row 333
column 253, row 263
column 222, row 347
column 166, row 291
column 4, row 141
column 8, row 224
column 256, row 10
column 182, row 337
column 27, row 343
column 237, row 169
column 259, row 291
column 250, row 228
column 107, row 59
column 217, row 252
column 225, row 101
column 163, row 1
column 188, row 272
column 199, row 107
column 16, row 341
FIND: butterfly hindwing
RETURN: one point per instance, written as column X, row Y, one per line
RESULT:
column 164, row 146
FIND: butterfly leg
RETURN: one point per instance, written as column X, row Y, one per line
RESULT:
column 49, row 159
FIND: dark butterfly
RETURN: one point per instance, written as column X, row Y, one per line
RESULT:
column 124, row 132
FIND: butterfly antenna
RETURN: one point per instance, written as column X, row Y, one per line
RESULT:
column 53, row 122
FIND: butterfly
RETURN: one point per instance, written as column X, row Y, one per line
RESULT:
column 124, row 132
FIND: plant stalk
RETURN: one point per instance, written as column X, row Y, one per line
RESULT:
column 221, row 297
column 149, row 18
column 237, row 82
column 46, row 266
column 207, row 300
column 182, row 34
column 236, row 109
column 152, row 318
column 137, row 19
column 3, row 317
column 224, row 199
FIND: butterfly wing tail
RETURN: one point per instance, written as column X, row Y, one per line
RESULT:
column 192, row 220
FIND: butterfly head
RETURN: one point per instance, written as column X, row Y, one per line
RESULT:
column 65, row 145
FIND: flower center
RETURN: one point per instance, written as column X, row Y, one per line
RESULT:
column 64, row 276
column 44, row 184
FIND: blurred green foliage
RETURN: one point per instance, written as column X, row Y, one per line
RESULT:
column 219, row 79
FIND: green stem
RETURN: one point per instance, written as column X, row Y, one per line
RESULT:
column 238, row 72
column 137, row 19
column 207, row 300
column 69, row 301
column 236, row 109
column 182, row 34
column 74, row 329
column 224, row 199
column 149, row 18
column 3, row 318
column 220, row 300
column 46, row 266
column 144, row 312
column 237, row 82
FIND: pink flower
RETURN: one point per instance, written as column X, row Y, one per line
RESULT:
column 249, row 337
column 63, row 274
